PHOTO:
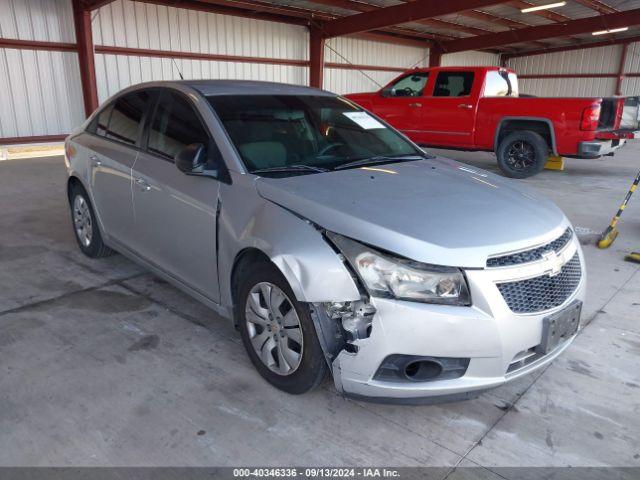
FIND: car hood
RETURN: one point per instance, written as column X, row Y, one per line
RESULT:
column 436, row 211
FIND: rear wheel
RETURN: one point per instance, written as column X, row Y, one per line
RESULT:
column 85, row 225
column 522, row 154
column 278, row 332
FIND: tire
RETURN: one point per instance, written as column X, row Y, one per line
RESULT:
column 85, row 226
column 522, row 154
column 267, row 335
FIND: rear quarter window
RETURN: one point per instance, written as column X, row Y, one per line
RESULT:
column 100, row 122
column 126, row 116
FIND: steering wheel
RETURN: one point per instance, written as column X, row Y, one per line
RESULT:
column 330, row 147
column 408, row 91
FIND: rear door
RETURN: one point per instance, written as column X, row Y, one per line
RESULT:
column 176, row 213
column 113, row 150
column 400, row 104
column 449, row 111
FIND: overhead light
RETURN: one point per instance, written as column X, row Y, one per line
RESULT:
column 543, row 7
column 613, row 30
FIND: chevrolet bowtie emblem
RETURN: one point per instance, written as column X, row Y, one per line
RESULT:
column 554, row 262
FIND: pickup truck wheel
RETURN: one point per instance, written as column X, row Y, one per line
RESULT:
column 278, row 331
column 522, row 154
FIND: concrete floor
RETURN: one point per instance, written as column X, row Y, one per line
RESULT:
column 102, row 363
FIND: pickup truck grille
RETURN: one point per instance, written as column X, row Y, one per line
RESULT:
column 545, row 292
column 532, row 255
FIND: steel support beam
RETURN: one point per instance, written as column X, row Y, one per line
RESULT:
column 84, row 39
column 435, row 56
column 568, row 48
column 597, row 5
column 37, row 45
column 95, row 4
column 530, row 34
column 316, row 57
column 396, row 14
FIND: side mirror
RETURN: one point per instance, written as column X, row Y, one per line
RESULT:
column 191, row 159
column 386, row 92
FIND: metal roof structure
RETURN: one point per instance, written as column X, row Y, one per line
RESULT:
column 454, row 25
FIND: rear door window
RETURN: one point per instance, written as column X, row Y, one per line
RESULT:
column 125, row 121
column 453, row 84
column 175, row 125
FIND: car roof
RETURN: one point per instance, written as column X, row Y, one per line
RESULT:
column 239, row 87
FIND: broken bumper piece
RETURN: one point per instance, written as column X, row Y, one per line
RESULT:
column 422, row 353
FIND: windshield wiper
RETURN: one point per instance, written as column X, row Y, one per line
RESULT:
column 291, row 168
column 380, row 159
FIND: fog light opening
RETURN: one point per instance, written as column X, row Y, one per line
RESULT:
column 422, row 370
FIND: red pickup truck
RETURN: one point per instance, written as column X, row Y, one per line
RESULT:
column 479, row 108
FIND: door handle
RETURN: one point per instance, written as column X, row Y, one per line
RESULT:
column 415, row 105
column 465, row 105
column 142, row 183
column 96, row 161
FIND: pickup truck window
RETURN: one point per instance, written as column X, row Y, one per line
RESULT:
column 409, row 86
column 453, row 84
column 500, row 84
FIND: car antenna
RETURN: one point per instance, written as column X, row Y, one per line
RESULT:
column 177, row 68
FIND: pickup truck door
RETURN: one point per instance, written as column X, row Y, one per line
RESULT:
column 401, row 104
column 449, row 112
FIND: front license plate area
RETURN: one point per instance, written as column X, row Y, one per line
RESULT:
column 559, row 327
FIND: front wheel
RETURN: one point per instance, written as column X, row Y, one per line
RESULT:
column 522, row 154
column 278, row 332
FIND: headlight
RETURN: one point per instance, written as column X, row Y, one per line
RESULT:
column 387, row 276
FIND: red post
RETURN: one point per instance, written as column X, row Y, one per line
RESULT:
column 623, row 60
column 84, row 40
column 316, row 57
column 435, row 56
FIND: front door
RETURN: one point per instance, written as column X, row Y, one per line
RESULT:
column 112, row 154
column 176, row 213
column 449, row 112
column 401, row 104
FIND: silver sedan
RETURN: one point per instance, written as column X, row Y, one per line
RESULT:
column 331, row 241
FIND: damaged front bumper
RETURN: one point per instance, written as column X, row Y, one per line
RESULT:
column 472, row 349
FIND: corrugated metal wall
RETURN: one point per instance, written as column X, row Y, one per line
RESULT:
column 37, row 88
column 631, row 86
column 43, row 20
column 137, row 25
column 140, row 25
column 470, row 59
column 348, row 50
column 592, row 60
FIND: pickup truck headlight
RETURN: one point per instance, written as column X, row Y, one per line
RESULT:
column 387, row 276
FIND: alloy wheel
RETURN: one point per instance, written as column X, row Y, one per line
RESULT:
column 521, row 155
column 83, row 223
column 274, row 328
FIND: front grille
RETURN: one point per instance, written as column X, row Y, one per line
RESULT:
column 544, row 292
column 532, row 255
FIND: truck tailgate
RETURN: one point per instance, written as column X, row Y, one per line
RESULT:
column 619, row 118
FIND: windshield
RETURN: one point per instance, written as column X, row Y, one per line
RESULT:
column 288, row 133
